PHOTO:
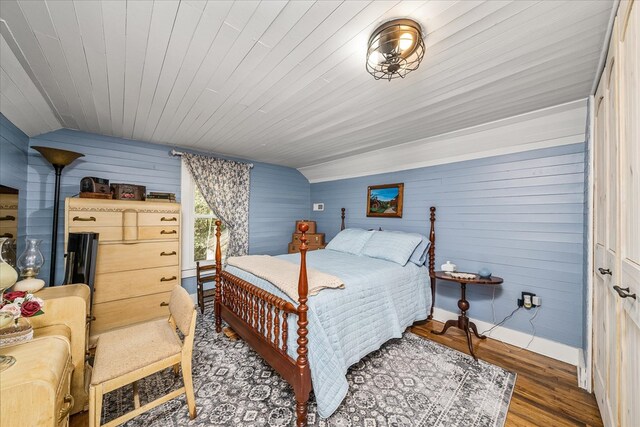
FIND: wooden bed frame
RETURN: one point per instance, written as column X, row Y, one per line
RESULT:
column 260, row 317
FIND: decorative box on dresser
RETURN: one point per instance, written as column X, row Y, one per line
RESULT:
column 36, row 390
column 138, row 262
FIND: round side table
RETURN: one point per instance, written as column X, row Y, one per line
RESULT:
column 463, row 321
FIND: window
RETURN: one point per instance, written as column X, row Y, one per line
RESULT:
column 198, row 227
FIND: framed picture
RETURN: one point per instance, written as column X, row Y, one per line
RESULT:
column 385, row 200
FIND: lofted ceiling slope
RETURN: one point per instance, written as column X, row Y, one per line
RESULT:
column 285, row 82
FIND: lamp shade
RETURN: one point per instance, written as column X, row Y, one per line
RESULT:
column 58, row 157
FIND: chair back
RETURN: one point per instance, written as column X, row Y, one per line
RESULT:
column 205, row 273
column 182, row 309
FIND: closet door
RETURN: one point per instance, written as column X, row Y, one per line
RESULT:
column 629, row 277
column 616, row 310
column 605, row 306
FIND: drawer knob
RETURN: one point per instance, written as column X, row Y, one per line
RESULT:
column 168, row 253
column 9, row 235
column 164, row 304
column 168, row 232
column 7, row 218
column 168, row 279
column 91, row 218
column 66, row 408
column 164, row 218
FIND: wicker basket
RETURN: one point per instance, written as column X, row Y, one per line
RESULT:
column 17, row 333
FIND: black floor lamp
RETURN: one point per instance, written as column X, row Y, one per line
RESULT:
column 59, row 159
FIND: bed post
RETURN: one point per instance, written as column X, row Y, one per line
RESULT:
column 304, row 382
column 216, row 305
column 432, row 259
column 342, row 216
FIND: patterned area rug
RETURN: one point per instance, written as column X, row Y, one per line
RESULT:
column 408, row 382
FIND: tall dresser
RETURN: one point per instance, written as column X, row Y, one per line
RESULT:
column 138, row 261
column 9, row 215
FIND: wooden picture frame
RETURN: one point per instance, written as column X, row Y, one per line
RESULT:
column 385, row 200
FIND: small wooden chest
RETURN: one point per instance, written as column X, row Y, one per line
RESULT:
column 312, row 238
column 295, row 247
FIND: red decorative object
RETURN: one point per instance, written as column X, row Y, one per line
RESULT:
column 21, row 304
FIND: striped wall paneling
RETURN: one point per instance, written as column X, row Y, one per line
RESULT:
column 279, row 195
column 13, row 169
column 283, row 82
column 521, row 215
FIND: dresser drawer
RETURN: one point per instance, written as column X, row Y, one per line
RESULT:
column 128, row 284
column 134, row 256
column 159, row 219
column 64, row 400
column 115, row 314
column 8, row 215
column 95, row 218
column 158, row 232
column 107, row 234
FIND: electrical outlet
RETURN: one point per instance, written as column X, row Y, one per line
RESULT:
column 528, row 300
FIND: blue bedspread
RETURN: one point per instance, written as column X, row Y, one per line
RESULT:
column 379, row 301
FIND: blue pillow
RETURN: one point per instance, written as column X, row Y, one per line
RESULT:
column 392, row 246
column 420, row 254
column 350, row 240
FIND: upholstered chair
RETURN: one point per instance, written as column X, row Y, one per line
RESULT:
column 124, row 356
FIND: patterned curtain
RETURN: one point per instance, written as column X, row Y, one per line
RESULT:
column 224, row 184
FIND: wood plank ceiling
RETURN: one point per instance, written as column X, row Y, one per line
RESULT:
column 285, row 82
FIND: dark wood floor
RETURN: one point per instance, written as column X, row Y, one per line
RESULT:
column 546, row 392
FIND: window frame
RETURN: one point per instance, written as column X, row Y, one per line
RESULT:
column 187, row 199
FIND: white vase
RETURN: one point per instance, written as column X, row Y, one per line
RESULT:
column 8, row 275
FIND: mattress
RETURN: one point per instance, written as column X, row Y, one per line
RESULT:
column 379, row 301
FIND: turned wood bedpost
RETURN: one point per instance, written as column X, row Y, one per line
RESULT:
column 218, row 280
column 303, row 389
column 342, row 216
column 432, row 259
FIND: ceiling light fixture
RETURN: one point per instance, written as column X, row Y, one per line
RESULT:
column 395, row 49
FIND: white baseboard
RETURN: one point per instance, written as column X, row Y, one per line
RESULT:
column 584, row 372
column 546, row 347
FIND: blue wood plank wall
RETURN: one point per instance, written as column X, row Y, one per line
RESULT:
column 13, row 168
column 279, row 195
column 520, row 215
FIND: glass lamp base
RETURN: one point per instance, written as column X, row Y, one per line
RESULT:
column 6, row 362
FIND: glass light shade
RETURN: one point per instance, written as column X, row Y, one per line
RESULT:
column 395, row 49
column 406, row 41
column 31, row 260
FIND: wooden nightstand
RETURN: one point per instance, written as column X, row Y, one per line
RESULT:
column 463, row 321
